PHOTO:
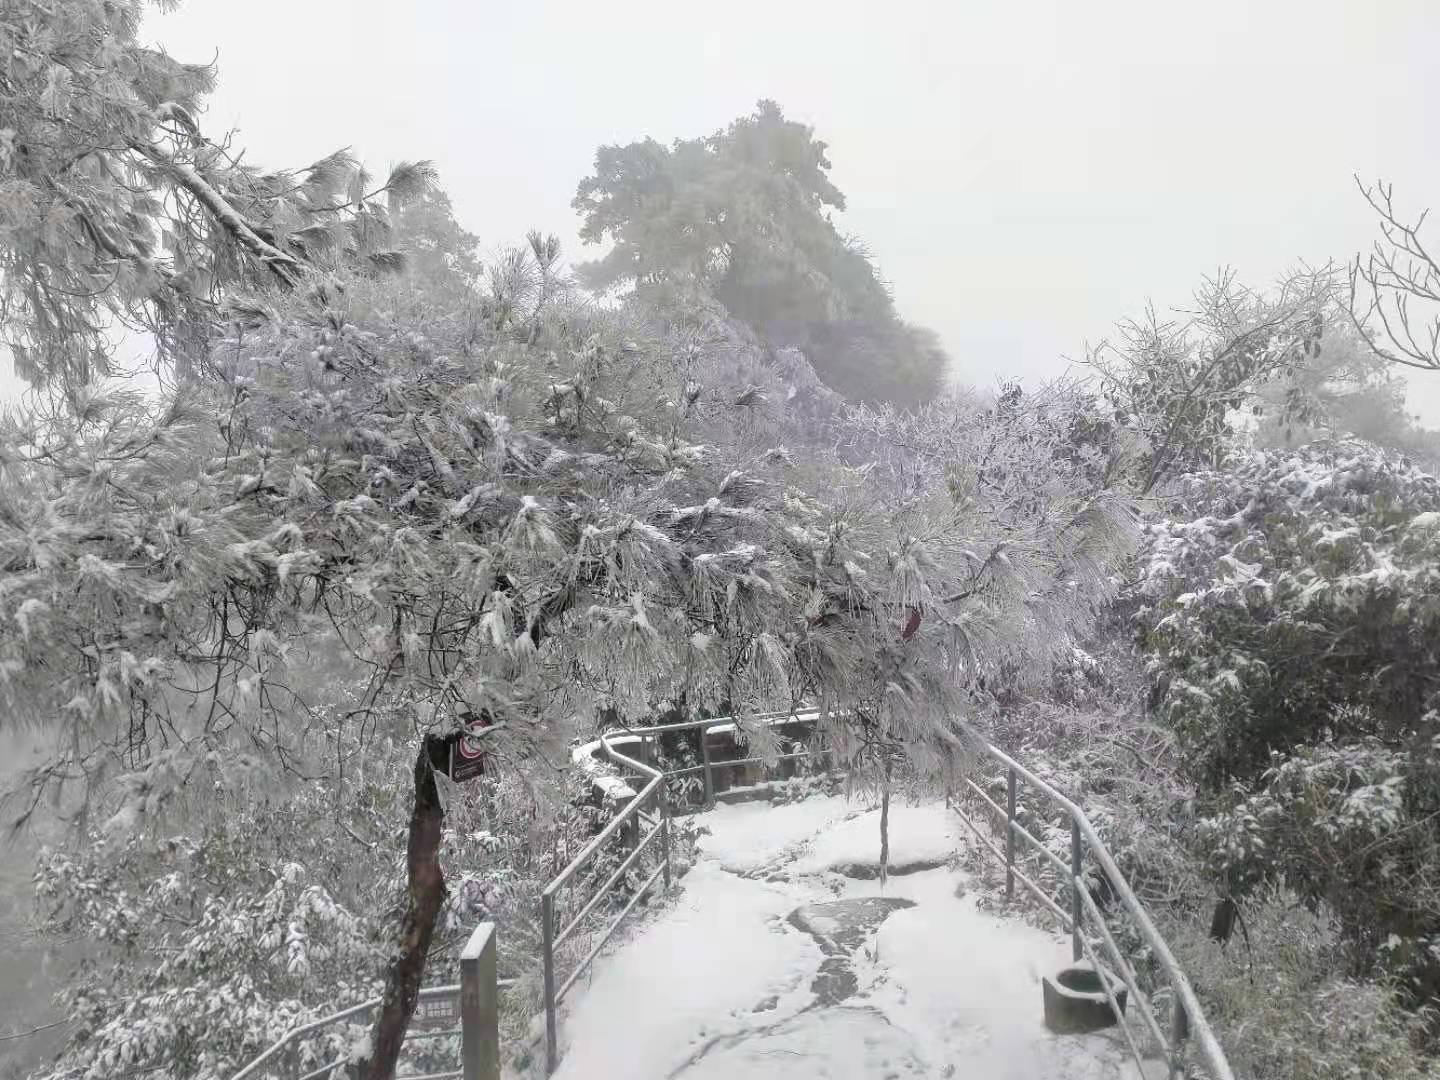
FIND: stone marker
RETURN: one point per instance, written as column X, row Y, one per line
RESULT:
column 1075, row 1001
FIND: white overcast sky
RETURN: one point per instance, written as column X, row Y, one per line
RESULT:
column 1025, row 174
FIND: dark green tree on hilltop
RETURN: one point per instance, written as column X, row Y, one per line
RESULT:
column 746, row 213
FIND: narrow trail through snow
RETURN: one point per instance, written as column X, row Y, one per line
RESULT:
column 724, row 983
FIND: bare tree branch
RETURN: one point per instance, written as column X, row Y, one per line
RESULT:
column 1399, row 270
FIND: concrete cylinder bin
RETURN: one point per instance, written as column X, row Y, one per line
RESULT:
column 1075, row 1001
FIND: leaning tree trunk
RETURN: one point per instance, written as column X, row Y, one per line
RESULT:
column 426, row 899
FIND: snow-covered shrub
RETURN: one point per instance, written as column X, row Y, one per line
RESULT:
column 1350, row 826
column 211, row 940
column 1283, row 1008
column 208, row 945
column 1291, row 623
column 1295, row 584
column 806, row 786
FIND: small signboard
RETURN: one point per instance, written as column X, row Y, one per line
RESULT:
column 461, row 754
column 440, row 1011
column 467, row 758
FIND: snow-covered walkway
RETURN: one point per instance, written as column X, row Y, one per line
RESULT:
column 724, row 983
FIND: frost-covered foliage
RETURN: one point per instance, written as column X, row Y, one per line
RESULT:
column 1292, row 629
column 115, row 207
column 743, row 216
column 1045, row 521
column 1287, row 1010
column 1179, row 384
column 1349, row 825
column 1302, row 598
column 209, row 944
column 543, row 521
column 1344, row 392
column 233, row 960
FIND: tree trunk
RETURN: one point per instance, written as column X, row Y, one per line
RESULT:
column 885, row 827
column 426, row 899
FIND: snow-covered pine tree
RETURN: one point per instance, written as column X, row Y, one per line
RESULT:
column 118, row 213
column 1000, row 526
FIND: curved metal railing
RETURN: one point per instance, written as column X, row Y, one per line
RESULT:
column 631, row 818
column 1187, row 1017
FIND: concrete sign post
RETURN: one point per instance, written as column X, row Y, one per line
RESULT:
column 480, row 1006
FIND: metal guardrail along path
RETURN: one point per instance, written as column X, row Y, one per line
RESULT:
column 476, row 1000
column 1187, row 1018
column 1081, row 916
column 631, row 817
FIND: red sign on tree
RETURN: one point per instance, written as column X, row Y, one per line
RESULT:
column 461, row 754
column 467, row 757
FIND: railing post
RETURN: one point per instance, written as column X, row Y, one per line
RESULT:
column 660, row 794
column 1076, row 858
column 1010, row 837
column 547, row 920
column 480, row 1006
column 709, row 778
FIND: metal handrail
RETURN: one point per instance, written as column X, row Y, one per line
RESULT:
column 294, row 1035
column 633, row 811
column 1188, row 1017
column 553, row 940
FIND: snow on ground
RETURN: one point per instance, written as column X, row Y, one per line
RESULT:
column 917, row 834
column 748, row 837
column 718, row 983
